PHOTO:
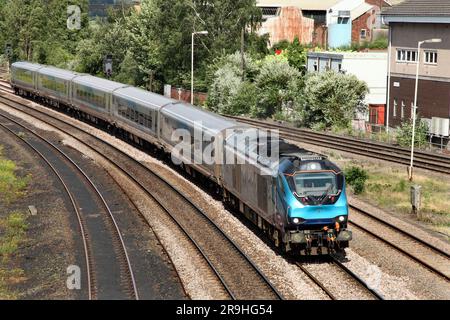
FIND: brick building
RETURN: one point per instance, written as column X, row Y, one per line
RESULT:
column 410, row 22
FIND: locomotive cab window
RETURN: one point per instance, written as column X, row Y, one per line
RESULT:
column 316, row 184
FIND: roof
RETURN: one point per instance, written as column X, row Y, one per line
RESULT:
column 420, row 8
column 190, row 114
column 360, row 10
column 98, row 83
column 143, row 97
column 60, row 73
column 27, row 65
column 321, row 5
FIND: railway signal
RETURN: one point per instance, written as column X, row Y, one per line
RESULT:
column 108, row 65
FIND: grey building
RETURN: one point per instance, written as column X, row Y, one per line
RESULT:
column 410, row 22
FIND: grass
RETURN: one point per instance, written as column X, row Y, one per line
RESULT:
column 13, row 230
column 389, row 188
column 11, row 186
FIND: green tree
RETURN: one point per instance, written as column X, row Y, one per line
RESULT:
column 37, row 29
column 332, row 99
column 171, row 23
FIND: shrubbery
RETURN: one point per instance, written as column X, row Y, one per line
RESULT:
column 404, row 133
column 356, row 177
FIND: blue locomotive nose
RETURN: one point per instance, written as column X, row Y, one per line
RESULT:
column 326, row 213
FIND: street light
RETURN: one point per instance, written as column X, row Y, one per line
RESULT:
column 192, row 63
column 420, row 43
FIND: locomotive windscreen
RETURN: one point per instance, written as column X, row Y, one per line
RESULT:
column 316, row 184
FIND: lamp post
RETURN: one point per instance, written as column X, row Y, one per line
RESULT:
column 413, row 136
column 192, row 63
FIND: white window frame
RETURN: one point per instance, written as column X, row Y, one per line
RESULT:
column 394, row 110
column 361, row 34
column 429, row 54
column 406, row 55
column 402, row 110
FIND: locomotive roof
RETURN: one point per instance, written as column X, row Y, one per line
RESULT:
column 209, row 121
column 144, row 97
column 59, row 73
column 27, row 65
column 98, row 83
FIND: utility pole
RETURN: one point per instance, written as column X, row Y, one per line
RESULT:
column 242, row 53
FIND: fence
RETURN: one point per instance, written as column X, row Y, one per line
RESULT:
column 185, row 95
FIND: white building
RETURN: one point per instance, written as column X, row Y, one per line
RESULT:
column 370, row 67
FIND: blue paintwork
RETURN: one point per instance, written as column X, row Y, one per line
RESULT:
column 322, row 214
column 339, row 35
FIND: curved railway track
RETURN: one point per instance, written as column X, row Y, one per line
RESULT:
column 424, row 160
column 105, row 252
column 427, row 255
column 239, row 275
column 187, row 225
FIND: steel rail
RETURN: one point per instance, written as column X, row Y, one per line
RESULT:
column 91, row 286
column 98, row 194
column 237, row 248
column 434, row 162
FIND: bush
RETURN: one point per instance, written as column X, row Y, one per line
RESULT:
column 356, row 177
column 332, row 98
column 404, row 134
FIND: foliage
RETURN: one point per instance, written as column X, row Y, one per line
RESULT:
column 277, row 86
column 404, row 133
column 265, row 88
column 332, row 98
column 37, row 30
column 356, row 177
column 295, row 52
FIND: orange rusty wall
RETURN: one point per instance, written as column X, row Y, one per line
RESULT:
column 289, row 25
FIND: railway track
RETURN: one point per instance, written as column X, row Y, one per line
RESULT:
column 240, row 277
column 189, row 226
column 109, row 274
column 428, row 256
column 430, row 161
column 339, row 267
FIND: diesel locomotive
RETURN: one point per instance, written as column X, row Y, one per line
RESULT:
column 296, row 196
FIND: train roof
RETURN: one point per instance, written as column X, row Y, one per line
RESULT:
column 143, row 97
column 209, row 121
column 59, row 73
column 27, row 65
column 98, row 83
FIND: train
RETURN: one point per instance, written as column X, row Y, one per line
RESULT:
column 297, row 197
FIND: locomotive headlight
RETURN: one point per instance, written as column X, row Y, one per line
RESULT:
column 341, row 218
column 296, row 220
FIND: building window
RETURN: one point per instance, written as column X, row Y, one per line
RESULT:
column 394, row 111
column 316, row 66
column 430, row 57
column 412, row 110
column 363, row 33
column 404, row 55
column 343, row 20
column 402, row 111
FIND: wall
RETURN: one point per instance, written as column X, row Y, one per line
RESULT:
column 290, row 24
column 363, row 22
column 433, row 99
column 371, row 68
column 185, row 95
column 339, row 35
column 406, row 36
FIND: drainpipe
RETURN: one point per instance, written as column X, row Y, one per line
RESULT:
column 388, row 102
